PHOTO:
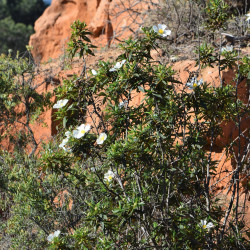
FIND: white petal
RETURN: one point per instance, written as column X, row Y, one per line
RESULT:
column 200, row 82
column 76, row 134
column 190, row 85
column 50, row 237
column 82, row 126
column 60, row 104
column 166, row 33
column 121, row 105
column 81, row 130
column 93, row 72
column 210, row 224
column 111, row 173
column 113, row 69
column 155, row 28
column 123, row 61
column 87, row 127
column 68, row 134
column 162, row 26
column 102, row 137
column 118, row 65
column 56, row 233
column 230, row 48
column 64, row 142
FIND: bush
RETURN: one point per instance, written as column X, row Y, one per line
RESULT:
column 14, row 36
column 138, row 177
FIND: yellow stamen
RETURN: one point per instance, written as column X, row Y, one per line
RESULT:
column 204, row 226
column 110, row 177
column 83, row 131
column 195, row 85
column 161, row 31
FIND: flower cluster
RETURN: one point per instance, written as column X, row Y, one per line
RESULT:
column 78, row 133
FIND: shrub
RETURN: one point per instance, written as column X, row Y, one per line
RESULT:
column 140, row 176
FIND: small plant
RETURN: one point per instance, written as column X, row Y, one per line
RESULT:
column 218, row 13
column 79, row 41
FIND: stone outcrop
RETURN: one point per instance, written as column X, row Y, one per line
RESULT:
column 110, row 20
column 52, row 29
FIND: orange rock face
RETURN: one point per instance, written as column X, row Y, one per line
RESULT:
column 109, row 20
column 53, row 27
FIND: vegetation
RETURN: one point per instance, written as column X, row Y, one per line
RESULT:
column 17, row 18
column 122, row 174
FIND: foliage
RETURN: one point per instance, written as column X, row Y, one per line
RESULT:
column 145, row 185
column 20, row 102
column 209, row 57
column 22, row 11
column 218, row 13
column 141, row 176
column 4, row 11
column 79, row 41
column 14, row 36
column 17, row 19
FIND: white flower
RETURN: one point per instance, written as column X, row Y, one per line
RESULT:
column 122, row 104
column 94, row 73
column 64, row 146
column 68, row 134
column 117, row 66
column 81, row 130
column 60, row 103
column 51, row 237
column 160, row 29
column 248, row 17
column 109, row 176
column 227, row 49
column 102, row 137
column 93, row 169
column 204, row 225
column 194, row 83
column 64, row 142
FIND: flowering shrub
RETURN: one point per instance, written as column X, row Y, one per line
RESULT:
column 138, row 175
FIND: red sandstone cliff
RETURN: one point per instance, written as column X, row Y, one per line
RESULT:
column 107, row 18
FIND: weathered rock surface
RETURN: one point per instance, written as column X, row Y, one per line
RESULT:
column 52, row 29
column 106, row 18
